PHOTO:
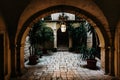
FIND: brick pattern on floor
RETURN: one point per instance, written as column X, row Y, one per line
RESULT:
column 62, row 66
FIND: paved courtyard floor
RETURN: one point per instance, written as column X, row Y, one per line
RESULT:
column 62, row 65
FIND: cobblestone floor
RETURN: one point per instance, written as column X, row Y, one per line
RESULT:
column 62, row 66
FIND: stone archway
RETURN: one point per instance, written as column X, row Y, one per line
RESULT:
column 96, row 19
column 5, row 54
column 117, row 50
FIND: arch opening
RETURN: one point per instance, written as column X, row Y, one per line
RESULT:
column 90, row 18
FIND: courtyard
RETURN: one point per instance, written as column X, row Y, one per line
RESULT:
column 62, row 65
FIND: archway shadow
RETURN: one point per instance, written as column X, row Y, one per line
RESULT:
column 94, row 68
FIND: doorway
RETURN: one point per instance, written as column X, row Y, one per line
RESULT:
column 62, row 40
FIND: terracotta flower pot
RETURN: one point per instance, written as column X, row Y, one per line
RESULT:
column 91, row 63
column 33, row 60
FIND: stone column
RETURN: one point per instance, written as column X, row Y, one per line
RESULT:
column 102, row 53
column 13, row 60
column 118, row 62
column 107, row 60
column 111, row 61
column 2, row 56
column 20, row 58
column 70, row 42
column 117, row 53
column 89, row 40
column 55, row 35
column 55, row 38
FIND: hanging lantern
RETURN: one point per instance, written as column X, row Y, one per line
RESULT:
column 63, row 18
column 63, row 28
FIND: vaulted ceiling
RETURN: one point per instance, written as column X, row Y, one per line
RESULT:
column 12, row 10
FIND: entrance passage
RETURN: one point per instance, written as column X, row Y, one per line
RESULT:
column 62, row 65
column 62, row 38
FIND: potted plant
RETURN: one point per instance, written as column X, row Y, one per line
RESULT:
column 39, row 35
column 89, row 55
column 80, row 37
column 91, row 61
column 33, row 59
column 46, row 36
column 34, row 39
column 84, row 52
column 40, row 53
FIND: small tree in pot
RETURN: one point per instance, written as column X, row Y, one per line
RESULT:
column 39, row 35
column 91, row 61
column 32, row 49
column 89, row 55
column 34, row 39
